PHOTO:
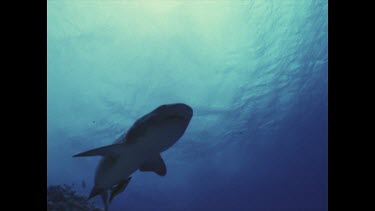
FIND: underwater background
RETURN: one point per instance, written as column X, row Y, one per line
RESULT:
column 254, row 71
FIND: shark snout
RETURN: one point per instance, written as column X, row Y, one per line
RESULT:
column 174, row 111
column 184, row 110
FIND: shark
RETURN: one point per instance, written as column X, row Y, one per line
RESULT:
column 139, row 148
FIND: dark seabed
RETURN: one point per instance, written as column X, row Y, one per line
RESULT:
column 255, row 73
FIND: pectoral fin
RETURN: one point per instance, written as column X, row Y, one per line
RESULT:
column 110, row 150
column 156, row 165
column 119, row 189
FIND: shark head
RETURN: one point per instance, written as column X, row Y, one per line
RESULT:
column 176, row 111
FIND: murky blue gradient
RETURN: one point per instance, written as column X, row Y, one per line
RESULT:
column 255, row 73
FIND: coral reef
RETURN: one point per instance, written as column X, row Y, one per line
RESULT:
column 64, row 198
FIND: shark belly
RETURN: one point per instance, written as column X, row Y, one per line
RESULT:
column 163, row 136
column 112, row 171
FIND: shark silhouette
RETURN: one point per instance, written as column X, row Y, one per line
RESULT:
column 138, row 148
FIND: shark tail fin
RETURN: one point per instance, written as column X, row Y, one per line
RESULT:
column 96, row 191
column 104, row 196
column 103, row 193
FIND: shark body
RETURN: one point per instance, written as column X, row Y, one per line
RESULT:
column 138, row 149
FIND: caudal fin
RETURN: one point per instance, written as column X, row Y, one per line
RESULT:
column 105, row 200
column 96, row 191
column 103, row 193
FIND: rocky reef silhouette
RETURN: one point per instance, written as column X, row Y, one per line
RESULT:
column 65, row 198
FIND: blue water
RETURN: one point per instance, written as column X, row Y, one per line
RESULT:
column 255, row 73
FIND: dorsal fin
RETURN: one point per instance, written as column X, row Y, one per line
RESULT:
column 156, row 164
